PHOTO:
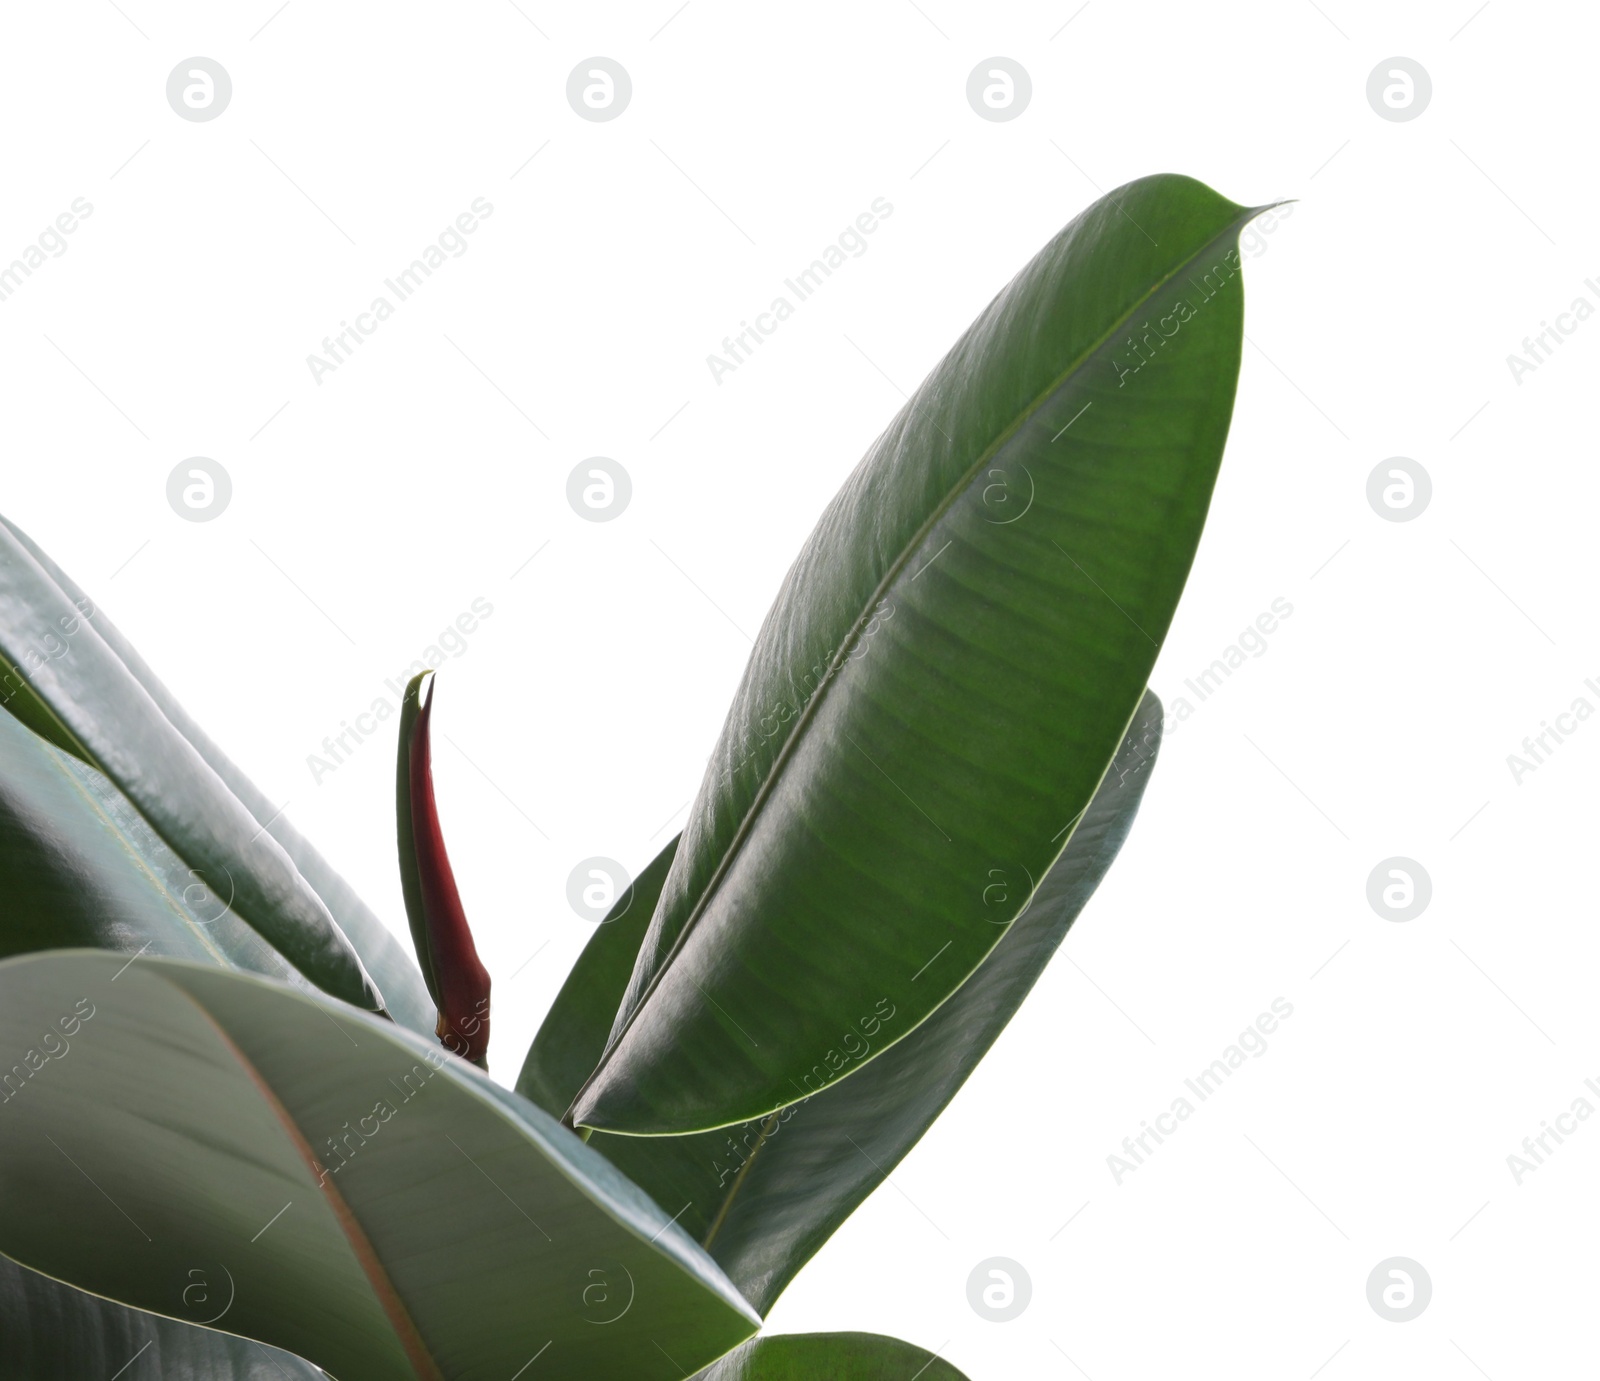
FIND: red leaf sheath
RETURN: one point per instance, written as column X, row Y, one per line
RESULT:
column 463, row 995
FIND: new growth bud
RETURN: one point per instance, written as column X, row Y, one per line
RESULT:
column 456, row 978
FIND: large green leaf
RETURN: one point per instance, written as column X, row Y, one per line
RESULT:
column 100, row 679
column 379, row 1207
column 51, row 1332
column 950, row 664
column 79, row 866
column 765, row 1196
column 830, row 1357
column 572, row 1036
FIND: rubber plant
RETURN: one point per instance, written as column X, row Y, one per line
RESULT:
column 243, row 1135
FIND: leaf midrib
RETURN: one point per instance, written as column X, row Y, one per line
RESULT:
column 738, row 1183
column 807, row 714
column 405, row 1331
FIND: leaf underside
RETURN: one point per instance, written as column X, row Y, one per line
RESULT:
column 382, row 1208
column 67, row 674
column 763, row 1197
column 81, row 867
column 51, row 1332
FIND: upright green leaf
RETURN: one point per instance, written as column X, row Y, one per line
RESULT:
column 763, row 1197
column 382, row 1208
column 572, row 1036
column 830, row 1357
column 51, row 1332
column 105, row 673
column 951, row 662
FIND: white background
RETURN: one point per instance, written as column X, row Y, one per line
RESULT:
column 371, row 509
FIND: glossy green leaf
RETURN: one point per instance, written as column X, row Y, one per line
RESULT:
column 572, row 1036
column 51, row 1332
column 763, row 1197
column 66, row 672
column 380, row 1207
column 79, row 866
column 830, row 1357
column 950, row 664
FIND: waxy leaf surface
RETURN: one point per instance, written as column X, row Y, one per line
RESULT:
column 830, row 1357
column 381, row 1208
column 61, row 675
column 949, row 666
column 763, row 1197
column 51, row 1332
